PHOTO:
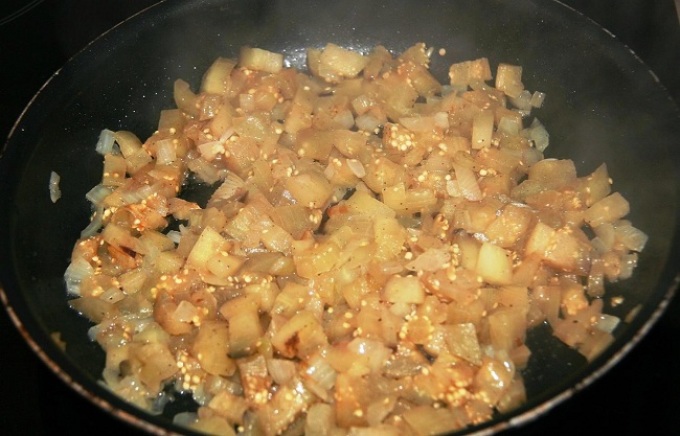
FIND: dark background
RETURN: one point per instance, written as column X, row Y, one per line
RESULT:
column 640, row 395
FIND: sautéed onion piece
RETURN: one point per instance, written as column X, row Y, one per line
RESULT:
column 375, row 247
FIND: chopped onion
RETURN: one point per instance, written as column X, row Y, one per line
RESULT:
column 55, row 192
column 367, row 123
column 209, row 150
column 539, row 135
column 175, row 236
column 341, row 276
column 95, row 224
column 607, row 323
column 467, row 183
column 432, row 259
column 77, row 270
column 97, row 194
column 105, row 144
column 166, row 152
column 356, row 167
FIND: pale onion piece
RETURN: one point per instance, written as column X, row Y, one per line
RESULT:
column 607, row 323
column 166, row 152
column 128, row 142
column 516, row 394
column 209, row 150
column 216, row 79
column 245, row 329
column 356, row 167
column 494, row 264
column 137, row 160
column 260, row 60
column 310, row 189
column 432, row 259
column 559, row 248
column 228, row 133
column 609, row 209
column 362, row 104
column 185, row 419
column 175, row 236
column 409, row 201
column 300, row 114
column 482, row 129
column 95, row 309
column 275, row 238
column 631, row 237
column 309, row 333
column 628, row 263
column 509, row 79
column 282, row 371
column 204, row 170
column 213, row 424
column 170, row 121
column 390, row 237
column 606, row 235
column 553, row 173
column 185, row 99
column 112, row 295
column 230, row 406
column 246, row 102
column 367, row 122
column 185, row 312
column 92, row 334
column 284, row 407
column 453, row 189
column 425, row 420
column 135, row 195
column 507, row 327
column 105, row 143
column 211, row 347
column 537, row 99
column 462, row 73
column 363, row 203
column 467, row 183
column 55, row 192
column 344, row 119
column 343, row 62
column 418, row 123
column 522, row 101
column 132, row 281
column 209, row 243
column 509, row 125
column 77, row 270
column 320, row 370
column 98, row 193
column 459, row 75
column 539, row 135
column 377, row 411
column 223, row 264
column 407, row 289
column 320, row 420
column 114, row 171
column 232, row 187
column 95, row 224
column 441, row 120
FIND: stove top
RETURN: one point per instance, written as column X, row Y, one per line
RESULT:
column 639, row 395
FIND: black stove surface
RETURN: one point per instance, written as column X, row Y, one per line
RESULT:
column 640, row 395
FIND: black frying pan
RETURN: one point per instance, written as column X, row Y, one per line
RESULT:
column 603, row 105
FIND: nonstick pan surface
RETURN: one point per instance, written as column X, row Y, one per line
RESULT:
column 603, row 106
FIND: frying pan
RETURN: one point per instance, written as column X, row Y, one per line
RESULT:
column 603, row 106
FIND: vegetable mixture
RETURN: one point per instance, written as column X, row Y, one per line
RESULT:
column 374, row 247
